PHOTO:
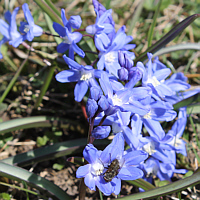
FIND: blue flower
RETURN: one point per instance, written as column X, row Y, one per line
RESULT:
column 164, row 171
column 117, row 100
column 101, row 10
column 95, row 173
column 84, row 75
column 9, row 32
column 109, row 57
column 100, row 30
column 104, row 37
column 69, row 38
column 28, row 29
column 177, row 130
column 177, row 82
column 154, row 76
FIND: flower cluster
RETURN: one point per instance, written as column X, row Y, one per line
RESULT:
column 131, row 99
column 28, row 29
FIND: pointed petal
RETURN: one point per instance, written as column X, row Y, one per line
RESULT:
column 68, row 76
column 72, row 63
column 78, row 50
column 80, row 90
column 135, row 157
column 27, row 14
column 64, row 19
column 59, row 29
column 83, row 171
column 130, row 173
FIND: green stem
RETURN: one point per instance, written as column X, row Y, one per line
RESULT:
column 12, row 82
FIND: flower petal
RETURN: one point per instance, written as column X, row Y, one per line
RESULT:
column 80, row 90
column 130, row 173
column 83, row 171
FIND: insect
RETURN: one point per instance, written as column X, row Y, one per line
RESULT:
column 112, row 170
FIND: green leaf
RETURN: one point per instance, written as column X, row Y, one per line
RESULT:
column 189, row 173
column 193, row 109
column 50, row 26
column 33, row 180
column 151, row 30
column 48, row 10
column 47, row 81
column 178, row 47
column 142, row 184
column 58, row 166
column 168, row 189
column 187, row 102
column 52, row 6
column 168, row 37
column 34, row 122
column 12, row 82
column 135, row 17
column 52, row 151
column 159, row 183
column 5, row 196
column 41, row 141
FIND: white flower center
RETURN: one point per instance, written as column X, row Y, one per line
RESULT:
column 85, row 76
column 116, row 101
column 26, row 28
column 66, row 40
column 97, row 169
column 154, row 81
column 176, row 142
column 110, row 57
column 149, row 148
column 148, row 115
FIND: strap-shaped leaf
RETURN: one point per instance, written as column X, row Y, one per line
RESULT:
column 50, row 152
column 49, row 11
column 168, row 37
column 34, row 122
column 168, row 189
column 47, row 152
column 178, row 47
column 33, row 180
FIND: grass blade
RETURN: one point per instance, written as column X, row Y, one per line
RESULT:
column 135, row 17
column 12, row 82
column 48, row 10
column 151, row 30
column 45, row 85
column 51, row 5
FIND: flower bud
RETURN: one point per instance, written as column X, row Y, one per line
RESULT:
column 101, row 132
column 75, row 21
column 91, row 107
column 123, row 74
